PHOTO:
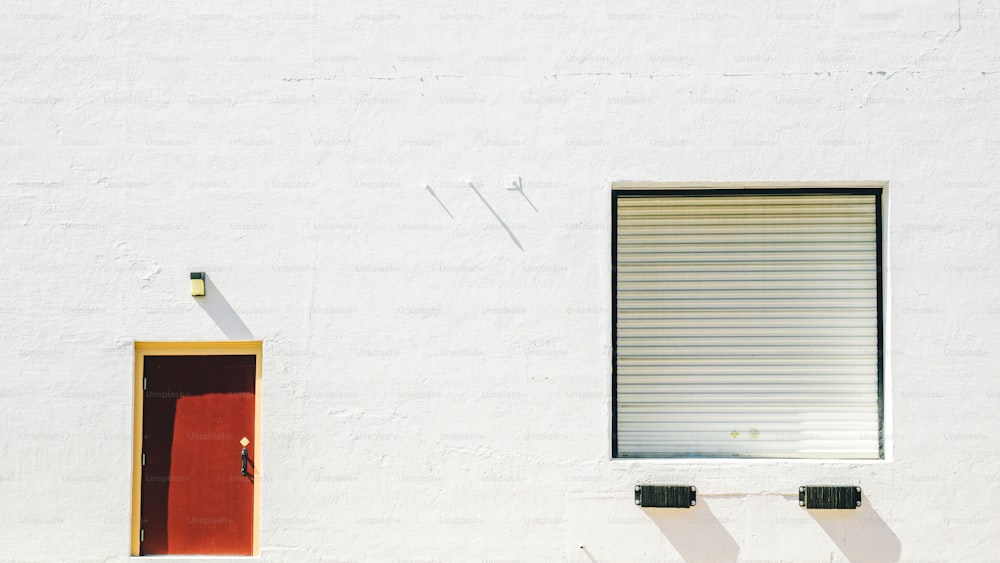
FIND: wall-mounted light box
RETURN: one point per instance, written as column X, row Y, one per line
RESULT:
column 197, row 284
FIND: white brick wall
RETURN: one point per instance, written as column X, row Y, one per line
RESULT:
column 437, row 361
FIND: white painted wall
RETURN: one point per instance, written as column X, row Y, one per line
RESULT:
column 437, row 361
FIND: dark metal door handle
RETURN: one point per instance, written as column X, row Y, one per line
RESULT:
column 243, row 465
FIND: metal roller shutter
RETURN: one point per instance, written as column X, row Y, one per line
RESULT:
column 746, row 324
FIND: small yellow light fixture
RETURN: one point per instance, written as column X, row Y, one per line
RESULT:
column 197, row 284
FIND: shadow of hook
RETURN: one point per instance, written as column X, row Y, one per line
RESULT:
column 519, row 188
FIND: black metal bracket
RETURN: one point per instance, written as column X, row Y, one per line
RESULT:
column 243, row 465
column 666, row 496
column 830, row 497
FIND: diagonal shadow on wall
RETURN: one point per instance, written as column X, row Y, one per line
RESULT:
column 222, row 313
column 695, row 533
column 519, row 188
column 503, row 224
column 441, row 203
column 861, row 534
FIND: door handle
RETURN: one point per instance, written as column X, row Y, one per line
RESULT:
column 243, row 464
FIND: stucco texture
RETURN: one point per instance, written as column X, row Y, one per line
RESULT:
column 409, row 204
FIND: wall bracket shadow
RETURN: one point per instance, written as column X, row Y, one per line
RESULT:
column 695, row 533
column 861, row 534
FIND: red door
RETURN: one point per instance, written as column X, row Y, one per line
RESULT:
column 196, row 498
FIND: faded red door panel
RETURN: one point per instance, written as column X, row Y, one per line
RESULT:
column 195, row 500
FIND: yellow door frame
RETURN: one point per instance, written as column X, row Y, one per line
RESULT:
column 236, row 348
